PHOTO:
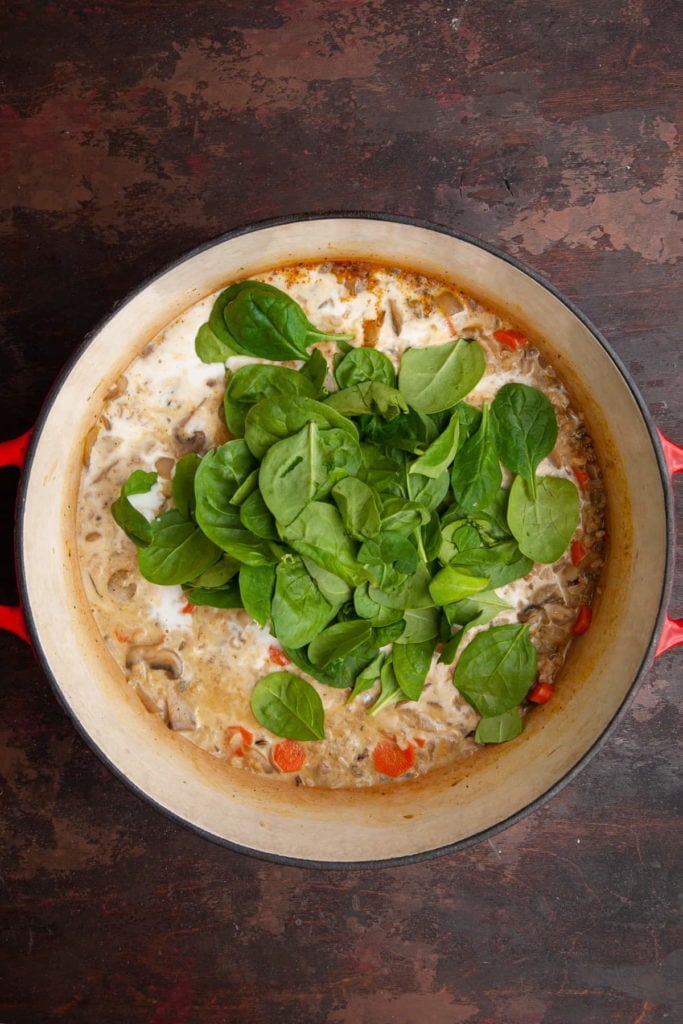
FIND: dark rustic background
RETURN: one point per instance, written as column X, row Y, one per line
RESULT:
column 132, row 131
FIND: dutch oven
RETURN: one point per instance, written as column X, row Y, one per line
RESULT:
column 442, row 811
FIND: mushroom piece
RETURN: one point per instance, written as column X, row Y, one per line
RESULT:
column 195, row 441
column 180, row 714
column 160, row 658
column 121, row 585
column 396, row 316
column 449, row 303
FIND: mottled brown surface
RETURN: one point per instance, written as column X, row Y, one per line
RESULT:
column 130, row 132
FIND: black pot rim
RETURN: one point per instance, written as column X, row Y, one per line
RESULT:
column 648, row 654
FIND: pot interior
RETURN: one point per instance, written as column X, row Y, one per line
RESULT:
column 404, row 819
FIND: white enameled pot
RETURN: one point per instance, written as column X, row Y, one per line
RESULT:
column 401, row 821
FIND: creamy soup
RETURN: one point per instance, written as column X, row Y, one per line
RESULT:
column 196, row 666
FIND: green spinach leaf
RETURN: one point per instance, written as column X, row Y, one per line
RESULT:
column 271, row 325
column 525, row 428
column 543, row 526
column 440, row 452
column 256, row 583
column 359, row 506
column 496, row 669
column 338, row 641
column 411, row 664
column 499, row 728
column 476, row 476
column 178, row 551
column 435, row 378
column 298, row 610
column 289, row 706
column 365, row 364
column 135, row 526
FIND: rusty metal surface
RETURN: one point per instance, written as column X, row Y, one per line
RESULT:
column 131, row 132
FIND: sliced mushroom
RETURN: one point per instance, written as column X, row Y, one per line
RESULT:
column 195, row 441
column 164, row 467
column 396, row 316
column 157, row 658
column 121, row 585
column 449, row 303
column 180, row 714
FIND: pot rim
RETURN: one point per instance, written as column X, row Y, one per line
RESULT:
column 649, row 651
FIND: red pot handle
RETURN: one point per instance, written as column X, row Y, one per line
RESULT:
column 13, row 453
column 672, row 631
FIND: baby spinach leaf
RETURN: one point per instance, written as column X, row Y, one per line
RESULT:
column 501, row 563
column 315, row 371
column 216, row 597
column 411, row 665
column 289, row 706
column 256, row 517
column 476, row 475
column 378, row 615
column 476, row 610
column 209, row 348
column 469, row 417
column 543, row 526
column 256, row 381
column 178, row 551
column 389, row 559
column 365, row 364
column 399, row 515
column 304, row 468
column 359, row 506
column 220, row 474
column 435, row 378
column 381, row 470
column 256, row 583
column 369, row 398
column 271, row 325
column 298, row 611
column 331, row 586
column 452, row 584
column 390, row 691
column 499, row 728
column 183, row 483
column 222, row 471
column 245, row 489
column 525, row 428
column 367, row 677
column 318, row 533
column 428, row 491
column 216, row 322
column 126, row 516
column 420, row 624
column 413, row 592
column 410, row 431
column 338, row 641
column 496, row 669
column 218, row 575
column 468, row 613
column 440, row 452
column 277, row 417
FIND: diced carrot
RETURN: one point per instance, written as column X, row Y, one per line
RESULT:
column 289, row 756
column 510, row 339
column 188, row 609
column 541, row 693
column 122, row 637
column 390, row 759
column 583, row 620
column 577, row 552
column 238, row 739
column 278, row 656
column 582, row 477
